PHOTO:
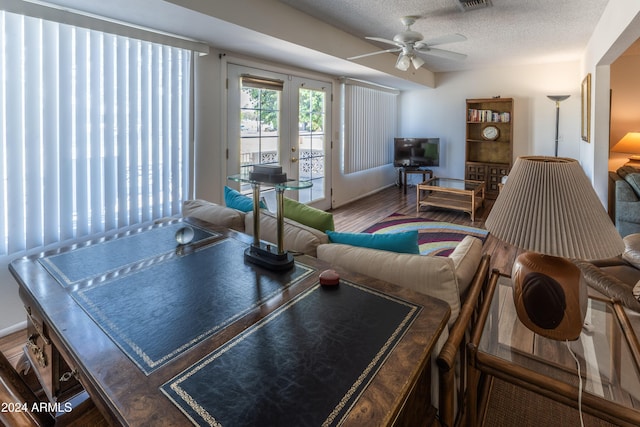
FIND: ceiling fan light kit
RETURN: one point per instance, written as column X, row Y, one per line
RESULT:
column 410, row 43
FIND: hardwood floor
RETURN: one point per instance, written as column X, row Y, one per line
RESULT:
column 358, row 215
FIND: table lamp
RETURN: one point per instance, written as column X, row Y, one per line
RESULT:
column 548, row 207
column 630, row 143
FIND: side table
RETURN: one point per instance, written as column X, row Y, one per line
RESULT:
column 608, row 351
column 407, row 171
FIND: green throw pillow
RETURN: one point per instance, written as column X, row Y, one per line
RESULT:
column 405, row 242
column 233, row 199
column 311, row 217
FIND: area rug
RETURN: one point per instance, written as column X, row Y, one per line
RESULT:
column 436, row 238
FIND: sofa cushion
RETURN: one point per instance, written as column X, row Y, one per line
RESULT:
column 634, row 181
column 405, row 242
column 631, row 252
column 297, row 237
column 307, row 215
column 623, row 171
column 432, row 275
column 214, row 214
column 466, row 258
column 235, row 200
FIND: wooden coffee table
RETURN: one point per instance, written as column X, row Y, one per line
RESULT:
column 450, row 193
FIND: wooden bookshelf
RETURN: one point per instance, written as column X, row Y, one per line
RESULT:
column 489, row 157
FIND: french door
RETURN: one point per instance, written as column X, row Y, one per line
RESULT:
column 282, row 120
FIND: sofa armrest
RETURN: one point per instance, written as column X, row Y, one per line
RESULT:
column 213, row 213
column 466, row 257
column 454, row 346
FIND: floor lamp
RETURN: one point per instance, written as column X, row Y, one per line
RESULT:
column 557, row 99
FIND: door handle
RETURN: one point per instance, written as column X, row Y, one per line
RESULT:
column 294, row 159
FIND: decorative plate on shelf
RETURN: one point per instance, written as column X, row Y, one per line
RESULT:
column 490, row 132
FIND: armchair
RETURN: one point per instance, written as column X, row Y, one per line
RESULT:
column 617, row 277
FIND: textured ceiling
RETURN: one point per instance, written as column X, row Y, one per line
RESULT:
column 510, row 32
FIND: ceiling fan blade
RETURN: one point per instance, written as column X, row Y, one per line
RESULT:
column 449, row 38
column 381, row 40
column 442, row 53
column 395, row 49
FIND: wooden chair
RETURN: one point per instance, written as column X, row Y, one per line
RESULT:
column 453, row 385
column 15, row 392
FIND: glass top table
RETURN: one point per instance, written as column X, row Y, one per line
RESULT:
column 607, row 351
column 454, row 184
column 263, row 253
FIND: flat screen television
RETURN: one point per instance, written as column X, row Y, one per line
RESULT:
column 416, row 152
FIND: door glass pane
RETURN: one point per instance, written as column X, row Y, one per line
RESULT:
column 311, row 142
column 259, row 127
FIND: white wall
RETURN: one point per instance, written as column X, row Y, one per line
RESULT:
column 441, row 112
column 617, row 29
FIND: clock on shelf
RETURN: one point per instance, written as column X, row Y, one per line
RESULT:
column 490, row 132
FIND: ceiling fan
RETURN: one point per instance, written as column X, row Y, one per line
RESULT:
column 410, row 43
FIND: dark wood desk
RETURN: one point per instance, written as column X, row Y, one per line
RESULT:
column 157, row 334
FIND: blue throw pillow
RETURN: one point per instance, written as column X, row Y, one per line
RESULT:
column 233, row 199
column 405, row 242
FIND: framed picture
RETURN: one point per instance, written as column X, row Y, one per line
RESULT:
column 586, row 108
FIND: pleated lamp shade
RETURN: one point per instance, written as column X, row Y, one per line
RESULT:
column 548, row 206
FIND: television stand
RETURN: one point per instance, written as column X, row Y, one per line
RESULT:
column 405, row 170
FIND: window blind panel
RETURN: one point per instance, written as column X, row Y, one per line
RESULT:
column 156, row 129
column 369, row 119
column 50, row 120
column 92, row 132
column 166, row 129
column 110, row 163
column 176, row 140
column 80, row 151
column 14, row 135
column 145, row 138
column 31, row 164
column 186, row 130
column 122, row 147
column 133, row 138
column 96, row 104
column 65, row 136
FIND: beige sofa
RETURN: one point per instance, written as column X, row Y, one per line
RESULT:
column 446, row 278
column 298, row 238
column 459, row 279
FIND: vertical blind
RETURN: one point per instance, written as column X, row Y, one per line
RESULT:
column 369, row 120
column 94, row 132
